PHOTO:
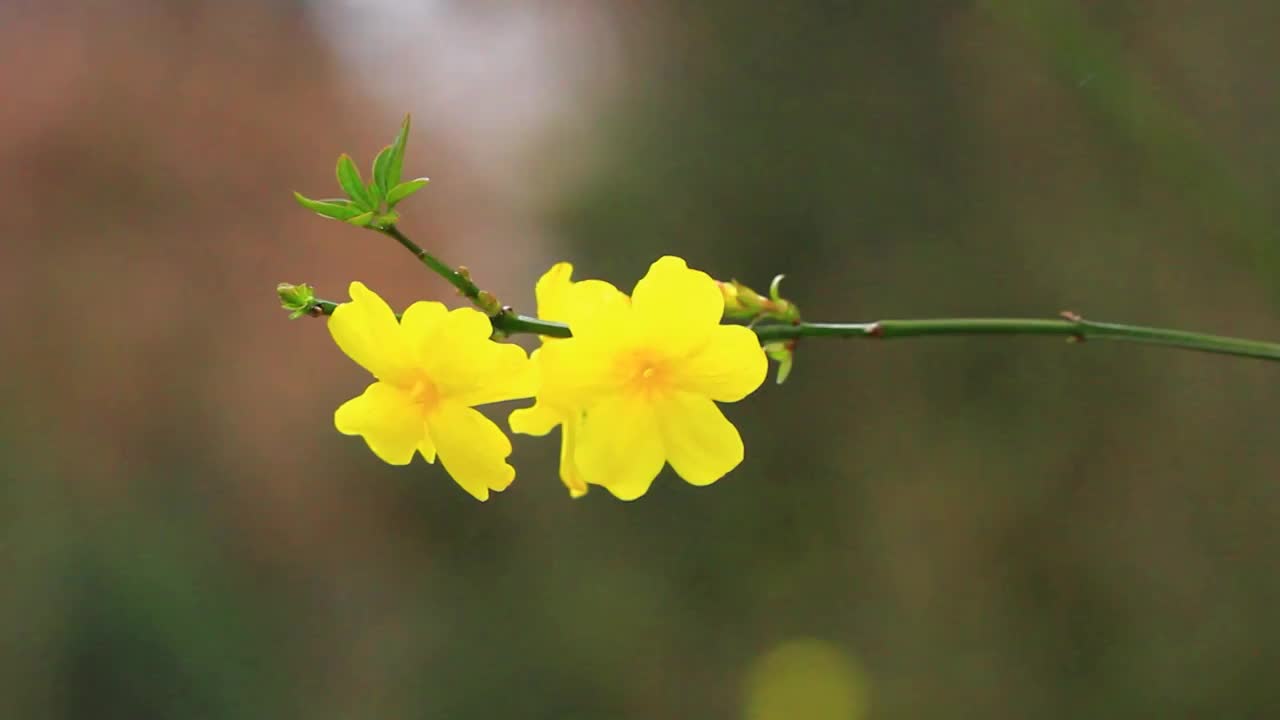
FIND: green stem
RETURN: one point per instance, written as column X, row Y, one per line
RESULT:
column 455, row 278
column 507, row 322
column 1071, row 327
column 1077, row 329
column 512, row 323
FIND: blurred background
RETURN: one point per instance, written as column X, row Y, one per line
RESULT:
column 926, row 528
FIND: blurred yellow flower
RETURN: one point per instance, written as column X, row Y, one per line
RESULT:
column 562, row 300
column 432, row 368
column 806, row 678
column 643, row 376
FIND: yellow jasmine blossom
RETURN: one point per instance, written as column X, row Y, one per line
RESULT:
column 645, row 377
column 432, row 368
column 561, row 300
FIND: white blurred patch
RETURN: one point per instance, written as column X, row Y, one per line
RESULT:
column 492, row 75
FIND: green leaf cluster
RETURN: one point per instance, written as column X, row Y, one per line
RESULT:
column 370, row 204
column 297, row 299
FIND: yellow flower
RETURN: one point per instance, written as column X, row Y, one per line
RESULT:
column 562, row 300
column 432, row 368
column 644, row 376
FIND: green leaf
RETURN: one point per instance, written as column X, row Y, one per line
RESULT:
column 774, row 287
column 349, row 179
column 361, row 220
column 404, row 190
column 784, row 370
column 784, row 354
column 375, row 194
column 293, row 296
column 395, row 161
column 382, row 171
column 336, row 208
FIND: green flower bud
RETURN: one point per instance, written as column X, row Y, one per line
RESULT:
column 298, row 299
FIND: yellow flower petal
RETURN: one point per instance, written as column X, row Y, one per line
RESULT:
column 729, row 367
column 419, row 326
column 677, row 306
column 701, row 444
column 537, row 420
column 472, row 448
column 562, row 300
column 366, row 330
column 434, row 335
column 496, row 372
column 540, row 420
column 619, row 446
column 569, row 473
column 552, row 292
column 465, row 324
column 427, row 448
column 576, row 372
column 594, row 304
column 454, row 352
column 390, row 422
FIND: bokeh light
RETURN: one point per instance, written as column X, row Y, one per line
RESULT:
column 806, row 678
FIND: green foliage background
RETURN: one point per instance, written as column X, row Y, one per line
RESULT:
column 1011, row 528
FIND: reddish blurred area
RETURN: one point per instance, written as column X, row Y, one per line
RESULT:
column 151, row 150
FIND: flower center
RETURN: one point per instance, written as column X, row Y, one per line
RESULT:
column 424, row 393
column 646, row 374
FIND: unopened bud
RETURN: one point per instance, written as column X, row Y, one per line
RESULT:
column 488, row 303
column 741, row 301
column 732, row 303
column 297, row 299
